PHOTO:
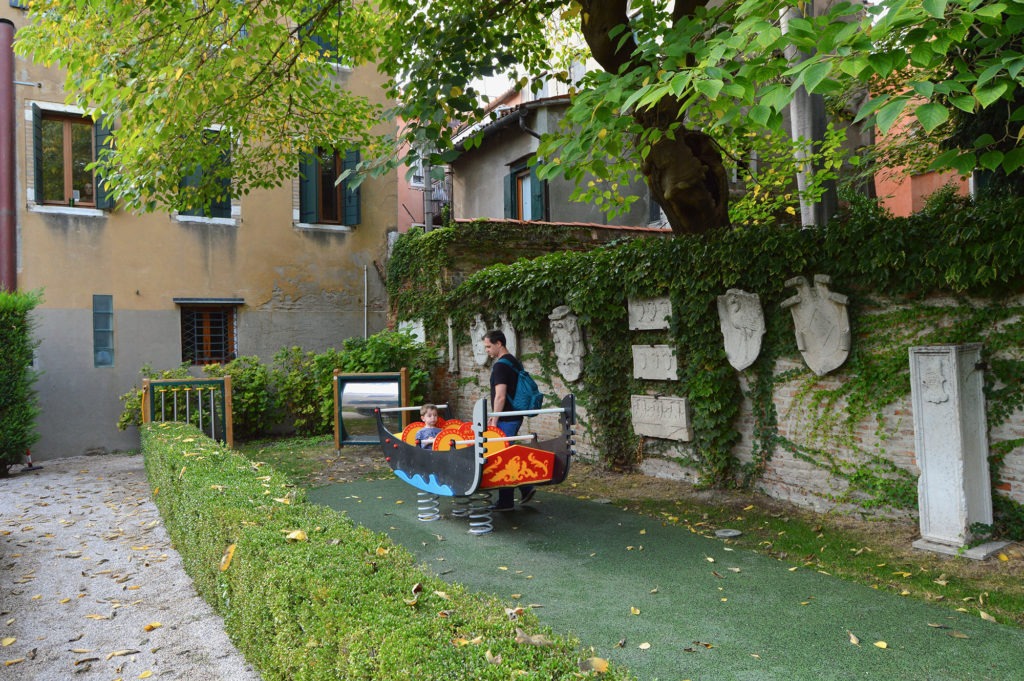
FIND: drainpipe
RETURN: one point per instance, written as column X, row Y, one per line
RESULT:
column 8, row 183
column 366, row 305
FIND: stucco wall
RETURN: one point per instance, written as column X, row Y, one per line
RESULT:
column 311, row 286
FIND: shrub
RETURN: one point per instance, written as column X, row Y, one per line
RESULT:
column 254, row 403
column 332, row 606
column 297, row 390
column 18, row 406
column 131, row 414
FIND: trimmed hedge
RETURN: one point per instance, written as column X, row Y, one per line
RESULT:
column 336, row 605
column 18, row 406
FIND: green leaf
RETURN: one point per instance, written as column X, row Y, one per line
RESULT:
column 889, row 113
column 709, row 88
column 992, row 11
column 964, row 103
column 990, row 94
column 924, row 88
column 760, row 114
column 991, row 160
column 855, row 65
column 935, row 8
column 815, row 74
column 777, row 97
column 931, row 115
column 1013, row 160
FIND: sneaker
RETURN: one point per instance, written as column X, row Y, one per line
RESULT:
column 528, row 495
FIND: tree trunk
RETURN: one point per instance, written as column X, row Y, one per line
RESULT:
column 686, row 175
column 688, row 180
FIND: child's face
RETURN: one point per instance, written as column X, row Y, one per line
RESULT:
column 430, row 418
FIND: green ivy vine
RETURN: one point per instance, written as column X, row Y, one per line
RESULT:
column 960, row 248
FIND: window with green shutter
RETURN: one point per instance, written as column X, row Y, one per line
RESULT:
column 323, row 202
column 525, row 195
column 64, row 145
column 219, row 206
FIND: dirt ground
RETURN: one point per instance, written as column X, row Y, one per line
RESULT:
column 593, row 481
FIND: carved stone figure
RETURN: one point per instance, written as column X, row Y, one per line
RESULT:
column 821, row 322
column 477, row 331
column 569, row 347
column 511, row 337
column 742, row 323
column 453, row 350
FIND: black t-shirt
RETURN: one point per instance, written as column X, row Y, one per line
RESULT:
column 502, row 372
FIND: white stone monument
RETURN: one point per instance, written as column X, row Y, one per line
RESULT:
column 742, row 322
column 511, row 337
column 951, row 444
column 453, row 349
column 655, row 362
column 821, row 323
column 649, row 313
column 477, row 331
column 569, row 347
column 663, row 417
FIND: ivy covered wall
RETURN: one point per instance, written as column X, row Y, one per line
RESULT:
column 953, row 273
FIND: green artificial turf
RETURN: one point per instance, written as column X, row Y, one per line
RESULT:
column 708, row 610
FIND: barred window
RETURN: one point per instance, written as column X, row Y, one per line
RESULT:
column 208, row 334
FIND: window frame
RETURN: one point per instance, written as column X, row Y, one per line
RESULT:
column 102, row 330
column 100, row 138
column 310, row 195
column 228, row 335
column 515, row 180
column 221, row 208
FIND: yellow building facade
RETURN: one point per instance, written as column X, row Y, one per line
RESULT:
column 122, row 289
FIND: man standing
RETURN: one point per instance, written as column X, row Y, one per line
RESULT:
column 504, row 375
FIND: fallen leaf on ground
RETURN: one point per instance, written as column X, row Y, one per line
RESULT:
column 534, row 640
column 122, row 653
column 853, row 638
column 8, row 641
column 985, row 616
column 958, row 634
column 634, row 610
column 881, row 644
column 297, row 535
column 594, row 664
column 225, row 560
column 151, row 626
column 644, row 646
column 492, row 658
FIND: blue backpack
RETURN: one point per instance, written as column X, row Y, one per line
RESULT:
column 528, row 395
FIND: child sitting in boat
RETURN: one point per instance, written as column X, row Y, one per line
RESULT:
column 425, row 435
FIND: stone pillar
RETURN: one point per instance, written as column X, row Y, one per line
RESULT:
column 951, row 444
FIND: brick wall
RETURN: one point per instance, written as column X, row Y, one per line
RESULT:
column 787, row 476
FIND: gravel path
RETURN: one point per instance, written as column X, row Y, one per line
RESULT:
column 90, row 587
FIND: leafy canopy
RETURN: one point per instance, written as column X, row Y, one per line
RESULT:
column 169, row 70
column 272, row 75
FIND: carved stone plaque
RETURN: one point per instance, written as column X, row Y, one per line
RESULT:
column 655, row 362
column 664, row 417
column 649, row 313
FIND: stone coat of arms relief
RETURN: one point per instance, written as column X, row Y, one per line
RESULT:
column 821, row 323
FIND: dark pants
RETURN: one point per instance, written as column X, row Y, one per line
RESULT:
column 507, row 495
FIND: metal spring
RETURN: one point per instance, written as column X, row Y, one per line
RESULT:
column 480, row 520
column 460, row 507
column 427, row 506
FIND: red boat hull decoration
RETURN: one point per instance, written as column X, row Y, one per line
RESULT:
column 518, row 465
